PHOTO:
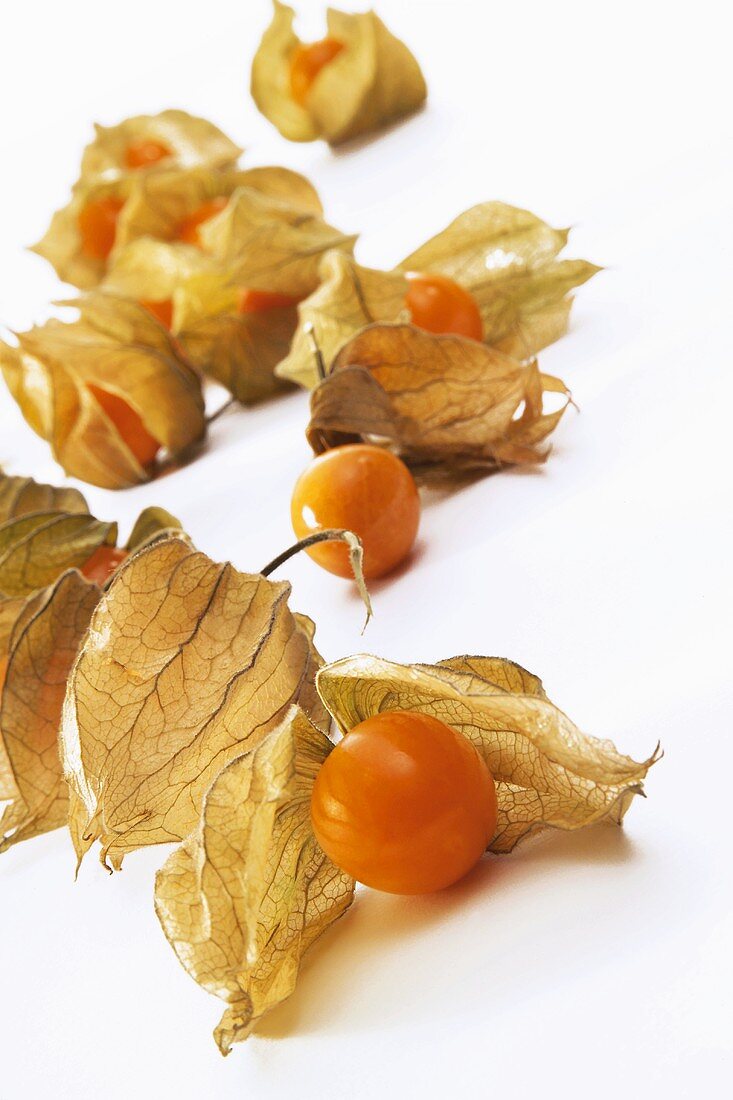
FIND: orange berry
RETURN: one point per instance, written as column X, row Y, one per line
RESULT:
column 188, row 230
column 97, row 223
column 306, row 63
column 102, row 564
column 128, row 423
column 162, row 310
column 366, row 490
column 260, row 301
column 141, row 154
column 404, row 803
column 440, row 305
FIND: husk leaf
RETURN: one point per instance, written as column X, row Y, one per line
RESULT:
column 36, row 548
column 21, row 496
column 438, row 401
column 193, row 142
column 37, row 650
column 548, row 773
column 372, row 82
column 505, row 256
column 250, row 890
column 349, row 297
column 186, row 665
column 119, row 347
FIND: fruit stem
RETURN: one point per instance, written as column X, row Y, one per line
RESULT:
column 356, row 557
column 317, row 353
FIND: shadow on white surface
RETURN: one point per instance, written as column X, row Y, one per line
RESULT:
column 378, row 941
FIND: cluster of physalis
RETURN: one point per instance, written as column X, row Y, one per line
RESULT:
column 149, row 695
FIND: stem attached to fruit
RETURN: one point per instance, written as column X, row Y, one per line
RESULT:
column 356, row 557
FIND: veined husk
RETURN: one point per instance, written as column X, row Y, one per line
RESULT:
column 39, row 640
column 250, row 890
column 506, row 257
column 372, row 82
column 155, row 205
column 442, row 403
column 21, row 496
column 187, row 664
column 547, row 772
column 193, row 142
column 119, row 347
column 258, row 242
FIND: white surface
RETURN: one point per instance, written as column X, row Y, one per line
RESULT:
column 593, row 965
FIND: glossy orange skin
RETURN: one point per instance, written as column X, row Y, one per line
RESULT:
column 141, row 154
column 366, row 490
column 97, row 223
column 306, row 63
column 162, row 310
column 404, row 804
column 188, row 230
column 260, row 301
column 128, row 423
column 3, row 670
column 102, row 564
column 440, row 305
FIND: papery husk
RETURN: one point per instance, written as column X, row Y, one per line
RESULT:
column 193, row 141
column 37, row 547
column 250, row 890
column 374, row 81
column 505, row 256
column 61, row 243
column 161, row 201
column 39, row 640
column 266, row 243
column 349, row 297
column 238, row 350
column 441, row 402
column 119, row 347
column 187, row 664
column 21, row 496
column 155, row 205
column 548, row 773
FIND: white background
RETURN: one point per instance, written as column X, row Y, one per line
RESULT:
column 590, row 965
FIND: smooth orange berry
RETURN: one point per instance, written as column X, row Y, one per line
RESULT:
column 162, row 310
column 141, row 154
column 260, row 301
column 102, row 564
column 404, row 803
column 440, row 305
column 97, row 223
column 306, row 63
column 128, row 423
column 366, row 490
column 3, row 670
column 188, row 230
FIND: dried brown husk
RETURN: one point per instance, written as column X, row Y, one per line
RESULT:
column 250, row 890
column 440, row 402
column 119, row 347
column 21, row 496
column 193, row 142
column 505, row 256
column 547, row 772
column 187, row 664
column 155, row 205
column 39, row 640
column 375, row 79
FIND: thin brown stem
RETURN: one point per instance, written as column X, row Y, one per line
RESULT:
column 356, row 557
column 317, row 353
column 218, row 412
